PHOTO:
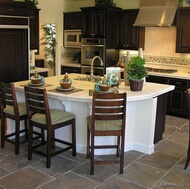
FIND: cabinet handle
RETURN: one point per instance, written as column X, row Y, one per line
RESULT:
column 177, row 82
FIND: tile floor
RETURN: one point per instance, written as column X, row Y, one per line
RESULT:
column 164, row 169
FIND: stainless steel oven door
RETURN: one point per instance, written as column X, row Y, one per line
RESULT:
column 96, row 70
column 90, row 51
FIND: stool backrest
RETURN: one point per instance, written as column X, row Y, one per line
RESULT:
column 109, row 106
column 37, row 102
column 8, row 97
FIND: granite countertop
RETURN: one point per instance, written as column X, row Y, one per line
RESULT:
column 39, row 70
column 149, row 90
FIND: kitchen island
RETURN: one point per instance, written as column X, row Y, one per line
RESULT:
column 140, row 118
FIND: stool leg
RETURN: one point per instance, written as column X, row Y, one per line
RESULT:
column 26, row 128
column 3, row 120
column 88, row 141
column 74, row 137
column 48, row 149
column 17, row 134
column 30, row 142
column 92, row 155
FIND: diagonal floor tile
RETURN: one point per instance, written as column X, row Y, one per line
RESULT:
column 26, row 178
column 142, row 174
column 14, row 162
column 69, row 181
column 59, row 165
column 118, row 183
column 178, row 177
column 159, row 160
column 172, row 148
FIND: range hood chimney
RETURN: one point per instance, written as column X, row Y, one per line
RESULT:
column 156, row 13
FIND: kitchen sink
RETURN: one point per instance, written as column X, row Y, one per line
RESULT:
column 95, row 79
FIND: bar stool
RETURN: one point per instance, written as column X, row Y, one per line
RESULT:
column 107, row 119
column 41, row 116
column 188, row 150
column 13, row 110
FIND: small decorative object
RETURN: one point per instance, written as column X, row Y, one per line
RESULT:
column 65, row 82
column 136, row 73
column 113, row 76
column 105, row 3
column 104, row 87
column 36, row 78
column 188, row 1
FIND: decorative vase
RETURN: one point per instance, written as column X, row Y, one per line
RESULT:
column 136, row 85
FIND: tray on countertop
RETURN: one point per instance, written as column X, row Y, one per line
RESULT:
column 65, row 92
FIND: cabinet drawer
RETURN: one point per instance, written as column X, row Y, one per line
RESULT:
column 68, row 69
column 179, row 83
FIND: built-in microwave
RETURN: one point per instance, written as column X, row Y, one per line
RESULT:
column 72, row 38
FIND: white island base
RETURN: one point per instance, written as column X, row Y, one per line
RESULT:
column 140, row 117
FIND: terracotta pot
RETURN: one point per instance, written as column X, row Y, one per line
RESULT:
column 136, row 85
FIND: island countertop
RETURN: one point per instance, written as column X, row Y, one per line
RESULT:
column 150, row 90
column 140, row 116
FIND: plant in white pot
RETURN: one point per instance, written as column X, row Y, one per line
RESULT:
column 136, row 71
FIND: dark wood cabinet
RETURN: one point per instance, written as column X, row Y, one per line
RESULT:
column 183, row 30
column 34, row 29
column 14, row 55
column 129, row 36
column 69, row 69
column 99, row 22
column 176, row 100
column 72, row 21
column 22, row 9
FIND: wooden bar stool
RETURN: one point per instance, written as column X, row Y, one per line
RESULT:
column 15, row 111
column 41, row 116
column 188, row 150
column 107, row 119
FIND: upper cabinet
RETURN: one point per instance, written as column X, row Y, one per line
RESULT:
column 22, row 9
column 129, row 36
column 72, row 21
column 99, row 22
column 183, row 30
column 34, row 29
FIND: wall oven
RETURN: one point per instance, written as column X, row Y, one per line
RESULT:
column 90, row 48
column 72, row 38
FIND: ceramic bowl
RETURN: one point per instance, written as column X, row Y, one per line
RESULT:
column 37, row 80
column 65, row 85
column 104, row 87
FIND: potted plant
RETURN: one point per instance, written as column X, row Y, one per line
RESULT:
column 49, row 42
column 136, row 72
column 105, row 3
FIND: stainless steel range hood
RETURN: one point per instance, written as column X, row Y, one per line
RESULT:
column 156, row 13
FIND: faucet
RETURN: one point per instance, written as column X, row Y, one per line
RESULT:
column 91, row 70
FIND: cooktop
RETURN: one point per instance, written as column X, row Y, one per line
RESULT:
column 149, row 69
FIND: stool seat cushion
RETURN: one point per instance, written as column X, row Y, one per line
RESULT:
column 101, row 125
column 21, row 109
column 57, row 116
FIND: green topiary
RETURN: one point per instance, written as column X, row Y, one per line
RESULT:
column 136, row 69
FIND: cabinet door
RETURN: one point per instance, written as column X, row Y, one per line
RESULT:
column 177, row 102
column 99, row 23
column 129, row 36
column 72, row 20
column 14, row 64
column 93, row 23
column 34, row 29
column 87, row 23
column 183, row 30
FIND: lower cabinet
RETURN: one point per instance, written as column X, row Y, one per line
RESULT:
column 176, row 99
column 70, row 69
